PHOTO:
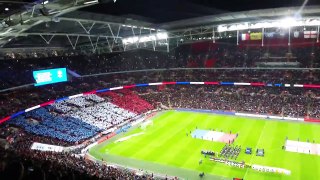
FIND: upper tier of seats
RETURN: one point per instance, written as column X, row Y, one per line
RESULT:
column 14, row 72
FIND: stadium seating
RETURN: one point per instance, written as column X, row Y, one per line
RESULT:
column 125, row 61
column 64, row 128
column 130, row 101
column 237, row 99
column 187, row 56
column 74, row 119
column 103, row 115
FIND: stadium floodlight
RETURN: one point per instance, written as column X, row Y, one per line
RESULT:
column 240, row 26
column 130, row 40
column 288, row 22
column 162, row 35
column 91, row 2
column 146, row 38
column 126, row 25
column 282, row 23
column 222, row 28
column 312, row 22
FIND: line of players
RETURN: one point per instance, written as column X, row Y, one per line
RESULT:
column 230, row 151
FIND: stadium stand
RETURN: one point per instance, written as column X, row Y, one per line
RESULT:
column 39, row 95
column 128, row 100
column 270, row 75
column 238, row 99
column 80, row 118
column 222, row 55
column 64, row 123
column 41, row 122
column 39, row 165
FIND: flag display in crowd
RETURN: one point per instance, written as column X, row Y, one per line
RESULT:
column 310, row 34
column 245, row 37
column 269, row 34
column 296, row 34
column 256, row 36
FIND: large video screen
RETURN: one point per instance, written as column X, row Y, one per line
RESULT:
column 50, row 76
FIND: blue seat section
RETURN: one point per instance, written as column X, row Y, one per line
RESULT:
column 64, row 128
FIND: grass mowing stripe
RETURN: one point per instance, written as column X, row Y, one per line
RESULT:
column 156, row 128
column 165, row 140
column 257, row 145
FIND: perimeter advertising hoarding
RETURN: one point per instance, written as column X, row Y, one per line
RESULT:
column 50, row 76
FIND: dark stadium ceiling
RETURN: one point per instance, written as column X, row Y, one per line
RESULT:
column 8, row 7
column 161, row 11
column 73, row 23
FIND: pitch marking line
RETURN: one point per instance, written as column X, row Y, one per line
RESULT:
column 264, row 126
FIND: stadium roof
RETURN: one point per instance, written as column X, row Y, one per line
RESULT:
column 71, row 23
column 251, row 15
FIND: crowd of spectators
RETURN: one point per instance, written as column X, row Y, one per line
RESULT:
column 25, row 164
column 80, row 118
column 293, row 102
column 129, row 100
column 51, row 125
column 94, row 111
column 103, row 115
column 15, row 100
column 15, row 72
column 260, row 100
column 42, row 123
column 77, row 119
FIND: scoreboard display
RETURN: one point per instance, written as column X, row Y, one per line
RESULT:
column 50, row 76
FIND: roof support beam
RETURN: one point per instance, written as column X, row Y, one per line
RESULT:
column 213, row 36
column 153, row 42
column 32, row 18
column 110, row 29
column 317, row 34
column 115, row 38
column 134, row 35
column 124, row 47
column 58, row 34
column 33, row 8
column 102, row 21
column 75, row 44
column 85, row 29
column 94, row 47
column 110, row 48
column 47, row 41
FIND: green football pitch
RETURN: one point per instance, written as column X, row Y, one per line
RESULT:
column 163, row 147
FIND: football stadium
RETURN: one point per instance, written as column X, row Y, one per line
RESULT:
column 170, row 89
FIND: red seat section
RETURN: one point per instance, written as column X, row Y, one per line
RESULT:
column 128, row 100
